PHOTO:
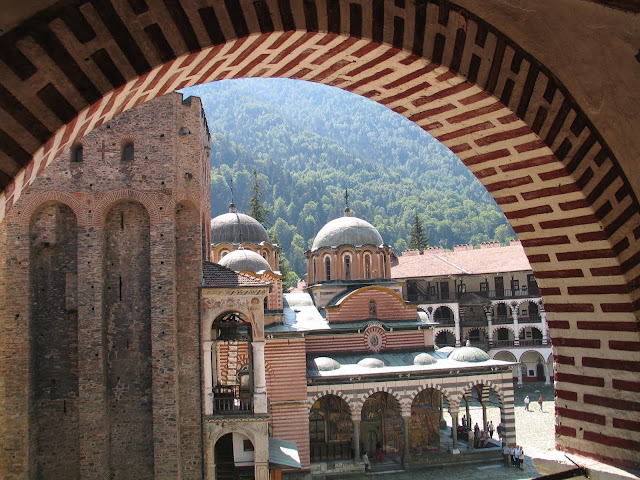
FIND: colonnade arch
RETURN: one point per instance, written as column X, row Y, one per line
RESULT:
column 450, row 70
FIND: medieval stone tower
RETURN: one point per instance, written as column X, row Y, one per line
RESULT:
column 106, row 256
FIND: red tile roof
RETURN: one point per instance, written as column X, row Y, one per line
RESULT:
column 215, row 275
column 462, row 261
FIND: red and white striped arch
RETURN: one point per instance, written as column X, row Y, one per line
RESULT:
column 505, row 115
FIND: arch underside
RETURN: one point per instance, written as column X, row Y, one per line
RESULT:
column 497, row 108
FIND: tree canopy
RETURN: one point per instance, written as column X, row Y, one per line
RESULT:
column 305, row 143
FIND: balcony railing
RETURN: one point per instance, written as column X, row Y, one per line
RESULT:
column 522, row 343
column 435, row 297
column 509, row 293
column 455, row 296
column 230, row 400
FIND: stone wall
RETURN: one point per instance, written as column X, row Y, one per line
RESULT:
column 99, row 343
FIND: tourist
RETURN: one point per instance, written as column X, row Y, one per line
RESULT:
column 540, row 402
column 464, row 421
column 521, row 458
column 515, row 455
column 490, row 428
column 526, row 403
column 476, row 434
column 499, row 431
column 506, row 453
column 484, row 439
column 365, row 460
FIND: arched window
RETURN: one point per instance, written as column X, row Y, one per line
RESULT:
column 367, row 266
column 347, row 267
column 327, row 268
column 127, row 152
column 373, row 308
column 384, row 265
column 315, row 273
column 76, row 153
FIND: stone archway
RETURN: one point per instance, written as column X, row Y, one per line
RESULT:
column 504, row 112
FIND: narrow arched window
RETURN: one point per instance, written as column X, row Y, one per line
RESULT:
column 347, row 268
column 367, row 266
column 76, row 153
column 327, row 268
column 127, row 152
column 315, row 273
column 384, row 265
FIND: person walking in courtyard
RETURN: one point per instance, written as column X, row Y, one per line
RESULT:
column 490, row 428
column 499, row 431
column 367, row 464
column 521, row 458
column 540, row 402
column 476, row 435
column 526, row 403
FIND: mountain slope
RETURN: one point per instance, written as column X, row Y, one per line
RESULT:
column 309, row 142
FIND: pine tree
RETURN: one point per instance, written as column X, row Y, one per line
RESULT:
column 256, row 209
column 418, row 238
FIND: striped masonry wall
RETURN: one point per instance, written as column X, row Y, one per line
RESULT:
column 286, row 367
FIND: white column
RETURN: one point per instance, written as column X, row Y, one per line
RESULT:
column 543, row 321
column 516, row 328
column 208, row 377
column 520, row 366
column 457, row 328
column 547, row 373
column 259, row 378
column 489, row 312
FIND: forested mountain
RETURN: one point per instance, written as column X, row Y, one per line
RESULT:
column 309, row 142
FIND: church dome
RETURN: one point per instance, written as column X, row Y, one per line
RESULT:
column 347, row 231
column 424, row 359
column 326, row 364
column 233, row 227
column 371, row 363
column 244, row 261
column 469, row 354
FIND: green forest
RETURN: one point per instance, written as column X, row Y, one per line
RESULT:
column 309, row 142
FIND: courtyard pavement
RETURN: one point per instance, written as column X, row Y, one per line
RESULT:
column 534, row 431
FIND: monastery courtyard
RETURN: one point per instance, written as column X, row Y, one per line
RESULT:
column 534, row 430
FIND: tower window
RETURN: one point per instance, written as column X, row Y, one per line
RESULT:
column 347, row 268
column 127, row 152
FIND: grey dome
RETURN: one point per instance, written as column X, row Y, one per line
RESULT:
column 424, row 359
column 371, row 363
column 469, row 354
column 325, row 364
column 235, row 227
column 347, row 231
column 244, row 260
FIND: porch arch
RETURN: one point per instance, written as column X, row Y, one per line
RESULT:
column 536, row 150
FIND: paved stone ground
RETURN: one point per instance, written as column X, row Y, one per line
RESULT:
column 534, row 431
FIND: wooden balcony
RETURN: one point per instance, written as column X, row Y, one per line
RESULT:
column 230, row 400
